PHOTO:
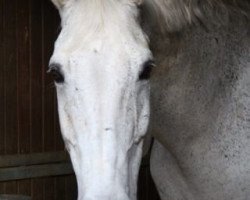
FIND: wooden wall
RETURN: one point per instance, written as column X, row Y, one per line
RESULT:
column 28, row 114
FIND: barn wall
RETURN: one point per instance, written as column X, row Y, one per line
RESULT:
column 28, row 113
column 28, row 116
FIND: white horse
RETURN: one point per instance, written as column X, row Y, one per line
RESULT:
column 200, row 96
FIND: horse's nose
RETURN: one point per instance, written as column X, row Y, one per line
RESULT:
column 107, row 197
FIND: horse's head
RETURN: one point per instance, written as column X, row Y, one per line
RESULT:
column 101, row 65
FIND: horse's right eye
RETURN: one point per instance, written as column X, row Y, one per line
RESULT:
column 147, row 69
column 55, row 71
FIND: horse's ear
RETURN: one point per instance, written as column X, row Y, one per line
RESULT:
column 59, row 3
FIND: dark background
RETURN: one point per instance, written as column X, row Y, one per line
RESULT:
column 28, row 113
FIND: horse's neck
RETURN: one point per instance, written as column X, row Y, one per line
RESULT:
column 165, row 45
column 227, row 43
column 202, row 68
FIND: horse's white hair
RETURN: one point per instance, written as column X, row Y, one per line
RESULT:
column 172, row 15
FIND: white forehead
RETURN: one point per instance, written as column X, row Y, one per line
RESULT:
column 97, row 26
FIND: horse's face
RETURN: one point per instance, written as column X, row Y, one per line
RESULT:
column 101, row 65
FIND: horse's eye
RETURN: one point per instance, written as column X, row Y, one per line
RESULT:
column 56, row 74
column 146, row 70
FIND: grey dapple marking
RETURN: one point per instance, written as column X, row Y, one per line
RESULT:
column 200, row 103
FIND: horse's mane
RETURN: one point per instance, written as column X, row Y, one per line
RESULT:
column 172, row 15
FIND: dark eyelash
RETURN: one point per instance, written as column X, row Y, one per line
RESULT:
column 56, row 73
column 147, row 69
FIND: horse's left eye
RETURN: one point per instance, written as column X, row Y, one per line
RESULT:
column 56, row 74
column 146, row 70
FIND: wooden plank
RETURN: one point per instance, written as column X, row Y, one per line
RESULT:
column 49, row 92
column 33, row 159
column 23, row 88
column 2, row 86
column 60, row 192
column 10, row 78
column 36, row 91
column 49, row 188
column 37, row 188
column 71, row 188
column 14, row 197
column 36, row 77
column 36, row 171
column 23, row 74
